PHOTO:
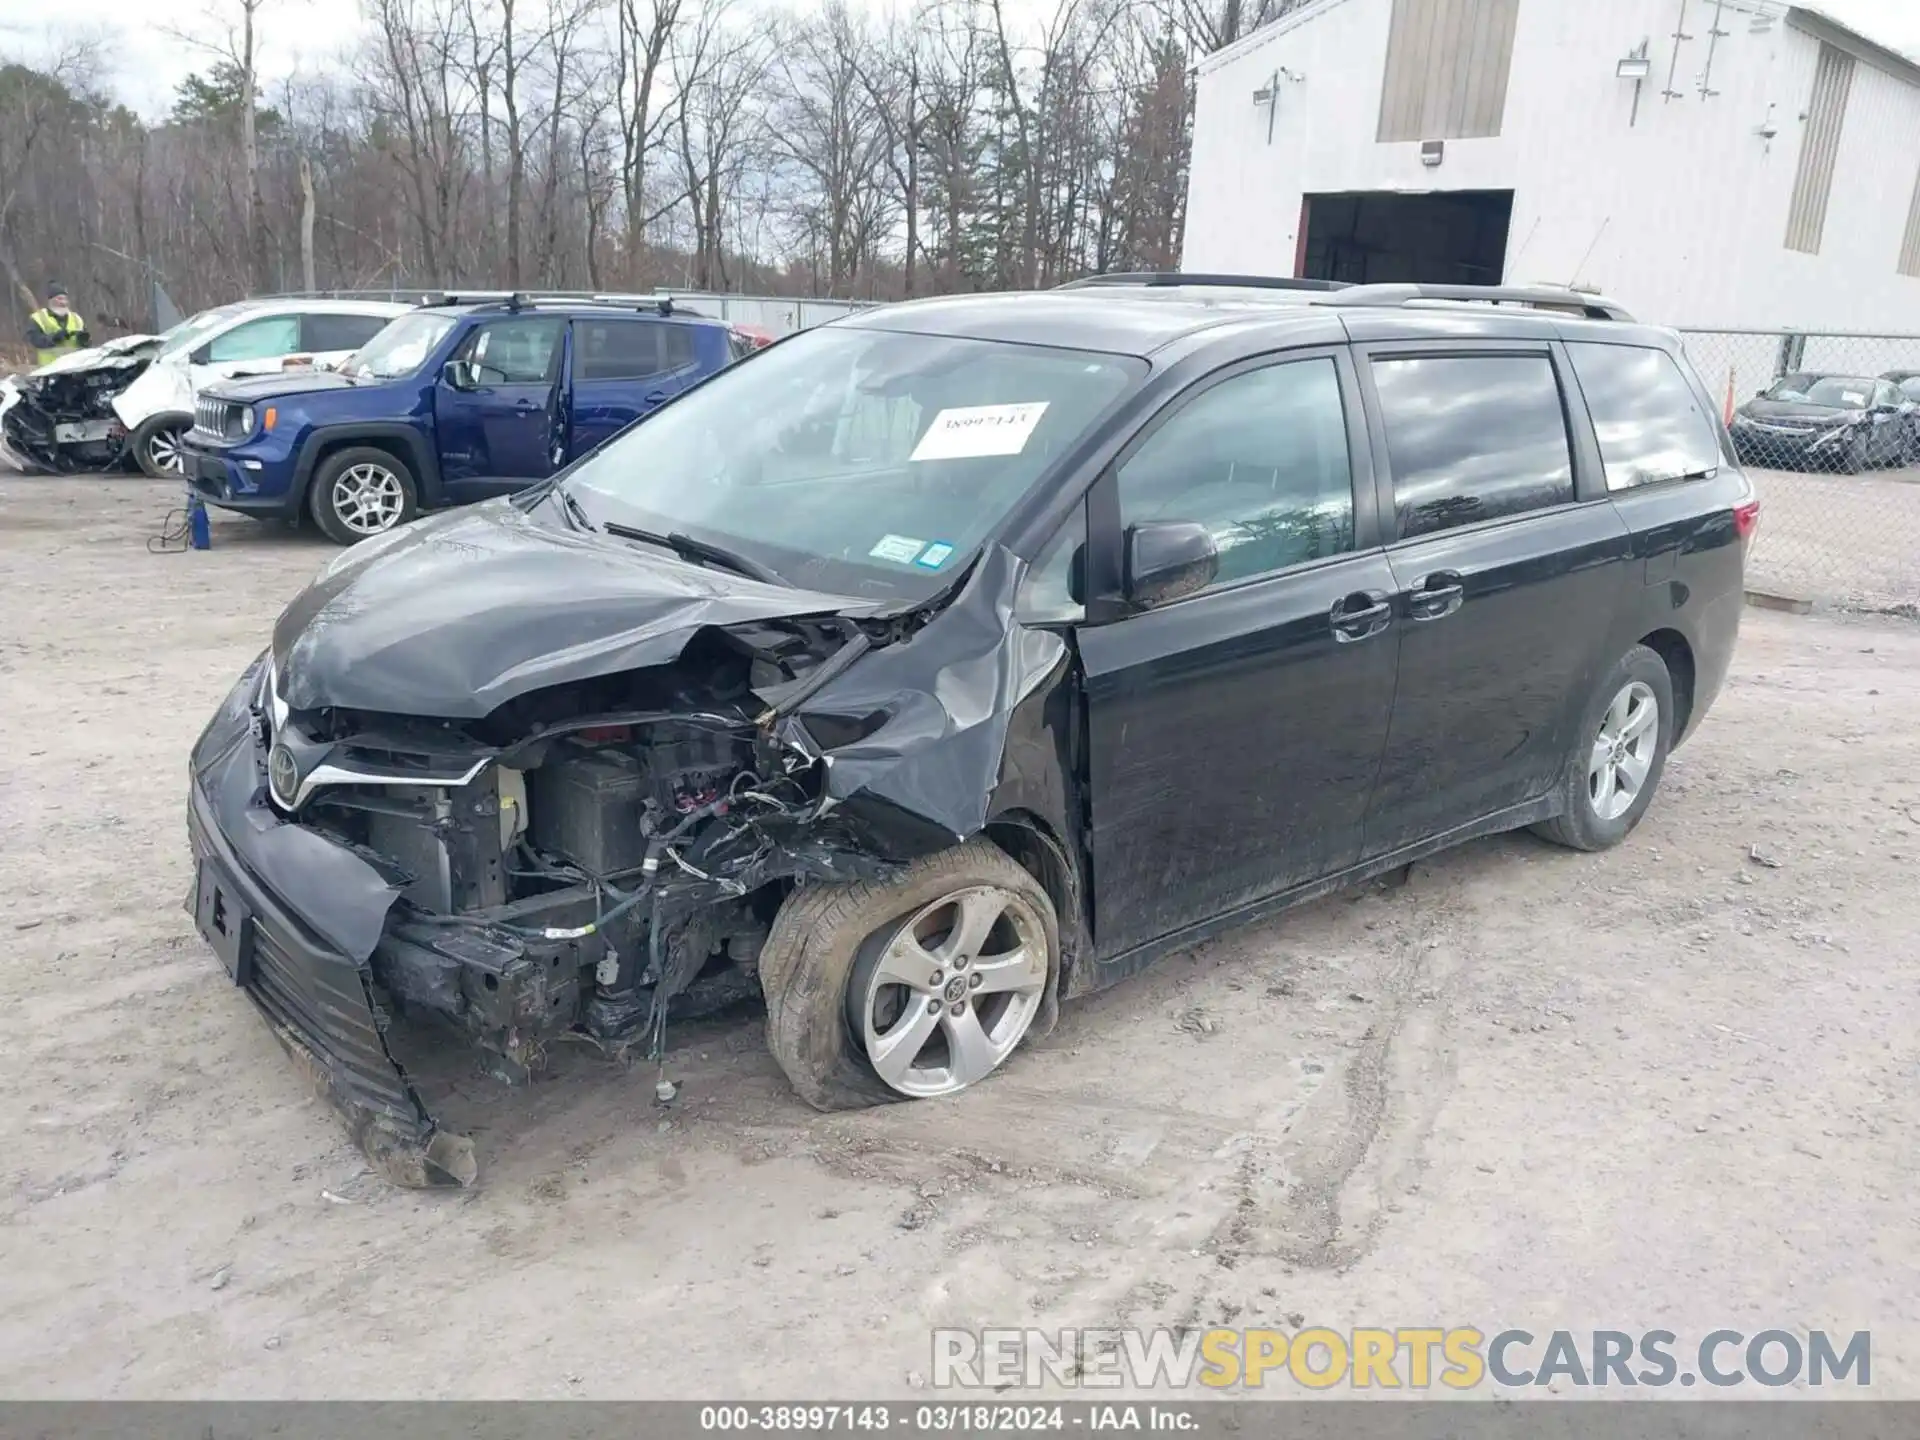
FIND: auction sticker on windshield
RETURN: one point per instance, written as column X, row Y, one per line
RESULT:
column 979, row 430
column 897, row 548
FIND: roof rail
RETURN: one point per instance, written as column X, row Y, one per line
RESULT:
column 1536, row 297
column 1158, row 278
column 399, row 295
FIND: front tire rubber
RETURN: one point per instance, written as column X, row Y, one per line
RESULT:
column 1617, row 743
column 359, row 492
column 156, row 446
column 837, row 951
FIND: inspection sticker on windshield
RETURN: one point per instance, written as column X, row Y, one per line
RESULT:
column 935, row 555
column 897, row 548
column 976, row 430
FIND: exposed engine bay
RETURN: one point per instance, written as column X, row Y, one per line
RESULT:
column 618, row 846
column 61, row 417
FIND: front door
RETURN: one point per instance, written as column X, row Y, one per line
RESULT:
column 499, row 423
column 1506, row 582
column 1235, row 734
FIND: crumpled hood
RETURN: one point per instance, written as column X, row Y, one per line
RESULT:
column 120, row 351
column 455, row 615
column 278, row 385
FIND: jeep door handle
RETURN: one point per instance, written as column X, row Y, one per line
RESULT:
column 1360, row 616
column 655, row 397
column 527, row 407
column 1436, row 595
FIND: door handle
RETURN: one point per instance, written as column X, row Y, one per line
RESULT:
column 655, row 397
column 527, row 407
column 1436, row 595
column 1360, row 616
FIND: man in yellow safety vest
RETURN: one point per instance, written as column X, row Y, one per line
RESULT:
column 55, row 329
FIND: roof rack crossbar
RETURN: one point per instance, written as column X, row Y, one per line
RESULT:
column 1158, row 278
column 1538, row 297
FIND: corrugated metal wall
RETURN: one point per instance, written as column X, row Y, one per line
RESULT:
column 1819, row 145
column 1910, row 241
column 1446, row 72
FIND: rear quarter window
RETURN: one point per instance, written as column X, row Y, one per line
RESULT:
column 1650, row 423
column 1472, row 438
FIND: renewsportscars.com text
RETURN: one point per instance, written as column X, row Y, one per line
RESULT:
column 1404, row 1357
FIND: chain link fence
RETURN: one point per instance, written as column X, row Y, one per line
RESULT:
column 1828, row 427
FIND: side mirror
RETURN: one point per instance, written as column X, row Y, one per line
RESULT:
column 1167, row 561
column 458, row 374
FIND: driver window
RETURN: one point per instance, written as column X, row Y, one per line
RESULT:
column 265, row 339
column 515, row 352
column 1261, row 460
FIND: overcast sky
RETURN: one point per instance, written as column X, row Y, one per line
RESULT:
column 147, row 59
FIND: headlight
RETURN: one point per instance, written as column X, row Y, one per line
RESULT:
column 246, row 420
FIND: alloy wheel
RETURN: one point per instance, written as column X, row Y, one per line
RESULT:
column 952, row 992
column 163, row 449
column 1623, row 751
column 368, row 498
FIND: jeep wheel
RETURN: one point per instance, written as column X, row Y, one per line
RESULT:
column 914, row 988
column 156, row 446
column 361, row 491
column 1619, row 753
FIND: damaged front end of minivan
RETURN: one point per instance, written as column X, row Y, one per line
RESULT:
column 524, row 782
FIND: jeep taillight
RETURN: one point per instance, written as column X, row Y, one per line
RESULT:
column 1746, row 519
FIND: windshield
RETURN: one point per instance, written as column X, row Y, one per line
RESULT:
column 400, row 349
column 854, row 461
column 188, row 333
column 1839, row 391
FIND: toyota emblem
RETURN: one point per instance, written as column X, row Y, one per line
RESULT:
column 283, row 776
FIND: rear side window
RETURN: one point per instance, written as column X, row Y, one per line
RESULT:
column 616, row 349
column 622, row 349
column 1261, row 460
column 322, row 333
column 1472, row 438
column 1649, row 422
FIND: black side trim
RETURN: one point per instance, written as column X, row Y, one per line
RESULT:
column 1514, row 817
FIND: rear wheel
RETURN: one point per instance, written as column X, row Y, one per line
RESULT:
column 1619, row 753
column 918, row 987
column 156, row 446
column 361, row 491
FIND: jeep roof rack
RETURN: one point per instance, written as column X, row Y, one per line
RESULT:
column 525, row 299
column 1536, row 297
column 1157, row 279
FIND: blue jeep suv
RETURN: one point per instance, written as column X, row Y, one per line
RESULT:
column 449, row 404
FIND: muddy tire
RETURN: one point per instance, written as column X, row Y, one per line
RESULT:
column 155, row 446
column 1618, row 755
column 827, row 956
column 361, row 491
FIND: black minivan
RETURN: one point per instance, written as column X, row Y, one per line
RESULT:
column 958, row 658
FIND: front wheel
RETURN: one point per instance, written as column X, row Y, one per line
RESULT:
column 913, row 988
column 361, row 491
column 1619, row 753
column 156, row 446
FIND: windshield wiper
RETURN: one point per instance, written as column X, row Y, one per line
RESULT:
column 688, row 548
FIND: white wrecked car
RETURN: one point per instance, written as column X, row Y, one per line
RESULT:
column 131, row 399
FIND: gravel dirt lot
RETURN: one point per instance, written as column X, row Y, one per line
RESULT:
column 1673, row 1085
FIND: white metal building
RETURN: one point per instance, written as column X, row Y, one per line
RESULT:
column 1708, row 163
